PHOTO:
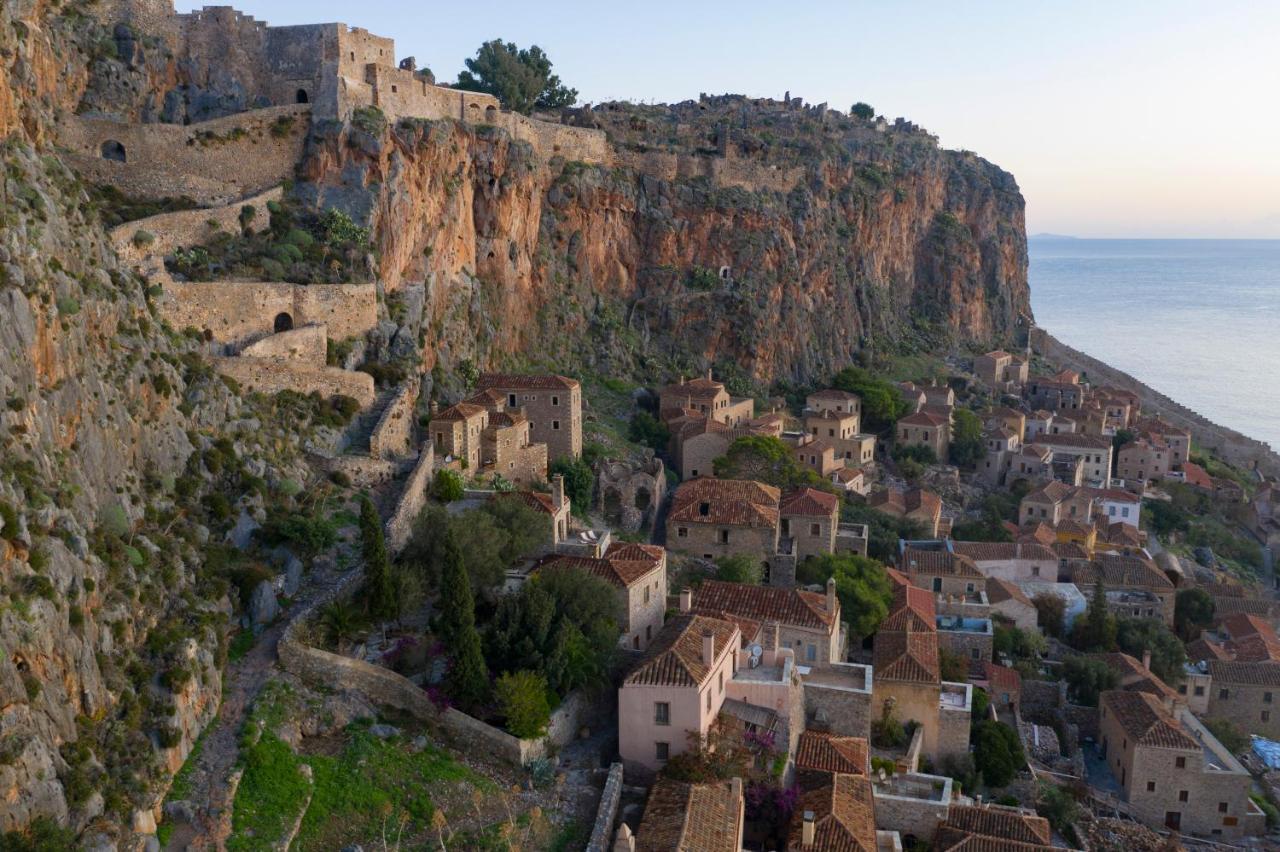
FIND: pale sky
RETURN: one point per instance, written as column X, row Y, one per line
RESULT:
column 1142, row 119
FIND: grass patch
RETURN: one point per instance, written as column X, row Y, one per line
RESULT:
column 270, row 796
column 241, row 645
column 574, row 835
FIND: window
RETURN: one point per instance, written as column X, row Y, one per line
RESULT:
column 1222, row 807
column 661, row 713
column 1222, row 694
column 937, row 584
column 555, row 424
column 811, row 653
column 816, row 529
column 720, row 678
column 1124, row 513
column 1199, row 690
column 976, row 653
column 635, row 643
column 682, row 532
column 1181, row 763
column 511, row 400
column 648, row 632
column 1151, row 786
column 708, row 700
column 646, row 595
column 1183, row 796
column 1266, row 715
column 1266, row 698
column 724, row 536
column 1035, row 570
column 661, row 750
column 555, row 400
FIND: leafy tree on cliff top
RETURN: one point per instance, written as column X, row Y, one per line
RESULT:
column 766, row 459
column 863, row 110
column 521, row 79
column 882, row 403
column 862, row 585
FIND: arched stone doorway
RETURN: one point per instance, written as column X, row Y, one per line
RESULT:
column 612, row 506
column 113, row 150
column 283, row 322
column 302, row 97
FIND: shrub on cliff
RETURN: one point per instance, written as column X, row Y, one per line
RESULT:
column 523, row 698
column 447, row 486
column 862, row 110
column 520, row 79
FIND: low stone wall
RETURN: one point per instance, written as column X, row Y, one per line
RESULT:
column 266, row 375
column 364, row 472
column 301, row 347
column 412, row 499
column 1235, row 448
column 918, row 817
column 240, row 312
column 213, row 162
column 607, row 813
column 392, row 435
column 188, row 227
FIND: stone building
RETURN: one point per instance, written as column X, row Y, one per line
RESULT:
column 1094, row 449
column 707, row 397
column 1144, row 459
column 631, row 493
column 682, row 816
column 1059, row 392
column 488, row 437
column 916, row 504
column 699, row 441
column 458, row 430
column 639, row 572
column 1001, row 371
column 809, row 522
column 936, row 567
column 836, row 416
column 711, row 518
column 1123, row 572
column 1173, row 772
column 808, row 623
column 1247, row 694
column 836, row 814
column 994, row 827
column 553, row 405
column 925, row 429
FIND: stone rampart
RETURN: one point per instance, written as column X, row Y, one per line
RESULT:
column 169, row 231
column 412, row 499
column 305, row 347
column 213, row 162
column 240, row 312
column 1235, row 448
column 722, row 171
column 392, row 435
column 269, row 376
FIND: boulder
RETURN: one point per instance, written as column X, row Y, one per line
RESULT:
column 241, row 535
column 292, row 575
column 262, row 604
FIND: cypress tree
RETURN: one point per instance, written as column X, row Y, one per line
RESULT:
column 379, row 589
column 468, row 678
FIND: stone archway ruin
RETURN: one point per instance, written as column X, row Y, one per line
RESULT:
column 640, row 486
column 283, row 322
column 302, row 97
column 113, row 150
column 611, row 505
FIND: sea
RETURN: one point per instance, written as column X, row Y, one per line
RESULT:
column 1198, row 320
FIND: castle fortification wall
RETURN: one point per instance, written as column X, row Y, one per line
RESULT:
column 1235, row 448
column 187, row 227
column 412, row 499
column 393, row 433
column 270, row 376
column 302, row 347
column 723, row 171
column 239, row 312
column 213, row 162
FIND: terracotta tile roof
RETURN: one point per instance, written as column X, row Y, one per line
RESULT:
column 832, row 393
column 460, row 411
column 1197, row 476
column 827, row 752
column 954, row 840
column 912, row 609
column 1075, row 441
column 1226, row 606
column 487, row 399
column 1003, row 679
column 1241, row 624
column 829, row 414
column 1054, row 492
column 1250, row 674
column 897, row 576
column 1143, row 717
column 938, row 563
column 1000, row 822
column 702, row 426
column 1134, row 677
column 817, row 445
column 1001, row 551
column 696, row 388
column 767, row 603
column 1069, row 550
column 674, row 658
column 999, row 591
column 1225, row 590
column 623, row 566
column 904, row 502
column 506, row 418
column 1120, row 571
column 810, row 502
column 843, row 816
column 911, row 657
column 1203, row 649
column 845, row 475
column 690, row 818
column 1257, row 648
column 535, row 500
column 923, row 418
column 728, row 501
column 1040, row 533
column 1115, row 495
column 526, row 382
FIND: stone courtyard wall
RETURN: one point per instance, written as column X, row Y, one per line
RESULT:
column 239, row 312
column 188, row 227
column 213, row 162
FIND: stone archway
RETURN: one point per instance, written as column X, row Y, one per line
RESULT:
column 643, row 499
column 302, row 97
column 611, row 503
column 283, row 322
column 113, row 150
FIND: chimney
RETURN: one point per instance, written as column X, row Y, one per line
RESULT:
column 831, row 594
column 735, row 788
column 624, row 841
column 708, row 648
column 557, row 491
column 806, row 835
column 686, row 600
column 1146, row 660
column 708, row 374
column 433, row 407
column 776, row 633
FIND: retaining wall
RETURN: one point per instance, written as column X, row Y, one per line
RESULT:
column 188, row 227
column 602, row 831
column 364, row 472
column 239, row 312
column 302, row 347
column 213, row 162
column 392, row 435
column 268, row 376
column 412, row 499
column 1235, row 448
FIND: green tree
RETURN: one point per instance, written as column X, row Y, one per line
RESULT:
column 379, row 587
column 1058, row 806
column 1017, row 643
column 883, row 530
column 523, row 698
column 766, row 459
column 1087, row 678
column 468, row 679
column 882, row 403
column 423, row 554
column 650, row 431
column 918, row 453
column 1135, row 636
column 1192, row 613
column 339, row 622
column 1051, row 614
column 523, row 529
column 862, row 110
column 862, row 585
column 308, row 535
column 1096, row 630
column 447, row 485
column 954, row 667
column 579, row 482
column 739, row 568
column 521, row 79
column 997, row 752
column 1228, row 734
column 966, row 447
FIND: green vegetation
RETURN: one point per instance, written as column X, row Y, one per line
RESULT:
column 966, row 448
column 997, row 752
column 882, row 403
column 522, row 696
column 307, row 534
column 116, row 208
column 1194, row 519
column 954, row 667
column 883, row 531
column 271, row 795
column 1228, row 734
column 862, row 110
column 766, row 459
column 468, row 679
column 649, row 431
column 579, row 482
column 1096, row 630
column 379, row 590
column 1057, row 805
column 1135, row 636
column 447, row 486
column 1087, row 678
column 491, row 538
column 739, row 568
column 1051, row 614
column 520, row 79
column 1192, row 613
column 862, row 585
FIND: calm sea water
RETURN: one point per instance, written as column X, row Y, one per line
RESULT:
column 1198, row 320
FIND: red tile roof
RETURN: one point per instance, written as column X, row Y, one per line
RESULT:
column 999, row 591
column 1120, row 571
column 624, row 565
column 893, row 500
column 535, row 500
column 461, row 411
column 1249, row 674
column 729, row 502
column 1144, row 718
column 827, row 752
column 675, row 656
column 1003, row 679
column 700, row 388
column 525, row 382
column 810, row 502
column 690, row 818
column 933, row 563
column 1000, row 822
column 843, row 816
column 923, row 418
column 767, row 603
column 1002, row 551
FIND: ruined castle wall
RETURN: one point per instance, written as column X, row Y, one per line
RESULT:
column 238, row 312
column 556, row 140
column 301, row 347
column 213, row 162
column 402, row 94
column 723, row 171
column 154, row 17
column 393, row 433
column 188, row 227
column 1235, row 448
column 269, row 376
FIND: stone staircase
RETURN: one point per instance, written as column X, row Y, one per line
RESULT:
column 356, row 439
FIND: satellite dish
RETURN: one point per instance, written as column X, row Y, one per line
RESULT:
column 756, row 650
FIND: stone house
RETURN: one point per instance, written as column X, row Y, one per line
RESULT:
column 913, row 395
column 1054, row 503
column 1176, row 438
column 1009, row 602
column 1246, row 694
column 1009, row 418
column 1039, row 422
column 1143, row 460
column 808, row 623
column 553, row 405
column 989, row 828
column 836, row 416
column 1001, row 371
column 836, row 402
column 1096, row 451
column 1123, row 572
column 698, row 443
column 809, row 521
column 939, row 569
column 1033, row 462
column 1135, row 676
column 1060, row 392
column 706, row 817
column 639, row 573
column 917, row 504
column 1173, row 772
column 711, row 518
column 818, row 454
column 1116, row 506
column 851, row 480
column 925, row 429
column 506, row 449
column 1002, row 444
column 458, row 430
column 707, row 397
column 1009, row 560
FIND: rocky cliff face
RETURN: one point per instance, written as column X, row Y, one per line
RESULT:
column 882, row 240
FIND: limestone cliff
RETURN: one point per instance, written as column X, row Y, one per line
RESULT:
column 843, row 236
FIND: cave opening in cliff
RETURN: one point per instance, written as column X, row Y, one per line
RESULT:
column 113, row 150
